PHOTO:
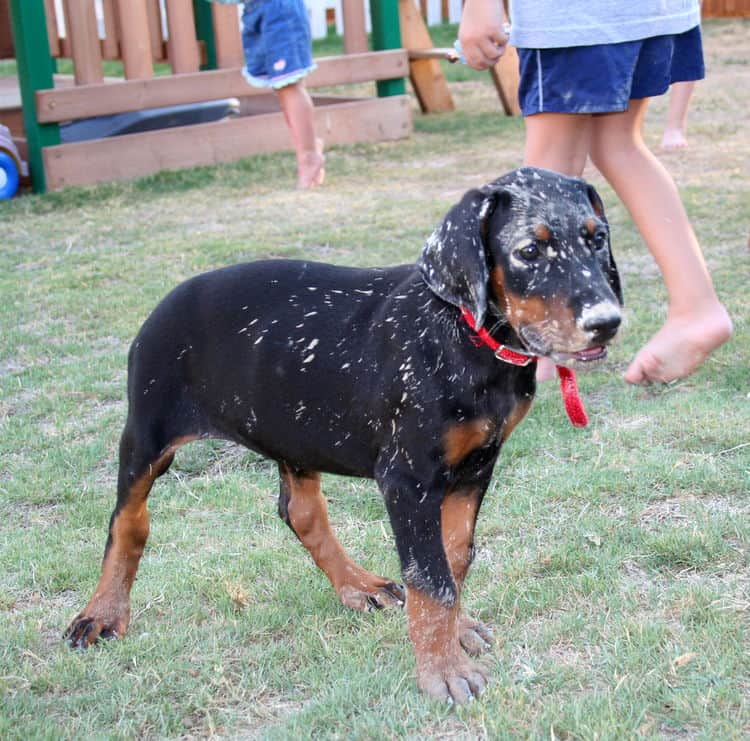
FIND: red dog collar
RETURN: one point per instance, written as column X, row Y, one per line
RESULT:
column 568, row 384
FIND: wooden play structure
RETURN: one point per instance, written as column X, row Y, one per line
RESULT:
column 725, row 8
column 426, row 75
column 201, row 44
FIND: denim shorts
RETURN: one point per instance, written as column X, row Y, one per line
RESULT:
column 277, row 42
column 603, row 78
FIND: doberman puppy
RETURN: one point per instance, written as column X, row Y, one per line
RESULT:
column 372, row 373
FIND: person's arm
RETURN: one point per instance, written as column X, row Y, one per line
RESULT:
column 481, row 32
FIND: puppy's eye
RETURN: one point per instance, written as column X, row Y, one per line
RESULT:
column 599, row 240
column 529, row 252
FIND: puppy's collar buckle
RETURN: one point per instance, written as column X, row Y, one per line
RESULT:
column 502, row 352
column 568, row 385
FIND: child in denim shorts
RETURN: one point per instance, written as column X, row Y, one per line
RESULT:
column 587, row 72
column 278, row 55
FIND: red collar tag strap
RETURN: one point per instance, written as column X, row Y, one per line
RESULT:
column 571, row 398
column 568, row 384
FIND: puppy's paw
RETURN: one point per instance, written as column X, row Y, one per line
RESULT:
column 84, row 631
column 475, row 637
column 456, row 679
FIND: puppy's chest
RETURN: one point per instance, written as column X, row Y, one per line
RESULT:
column 484, row 425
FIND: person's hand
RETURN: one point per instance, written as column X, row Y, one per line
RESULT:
column 481, row 32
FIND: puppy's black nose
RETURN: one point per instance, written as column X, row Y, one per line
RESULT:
column 602, row 325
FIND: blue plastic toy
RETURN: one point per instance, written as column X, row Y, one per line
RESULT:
column 11, row 166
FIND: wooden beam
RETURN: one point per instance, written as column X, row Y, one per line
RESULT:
column 155, row 31
column 7, row 50
column 110, row 43
column 355, row 31
column 135, row 39
column 426, row 75
column 134, row 95
column 53, row 35
column 82, row 31
column 182, row 45
column 227, row 38
column 138, row 155
column 505, row 76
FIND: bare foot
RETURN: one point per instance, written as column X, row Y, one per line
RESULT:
column 545, row 370
column 673, row 139
column 680, row 346
column 310, row 167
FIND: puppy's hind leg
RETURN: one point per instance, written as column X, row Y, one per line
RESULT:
column 303, row 507
column 147, row 448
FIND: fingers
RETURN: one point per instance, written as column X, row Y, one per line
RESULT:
column 484, row 52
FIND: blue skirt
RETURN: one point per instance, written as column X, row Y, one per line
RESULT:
column 277, row 42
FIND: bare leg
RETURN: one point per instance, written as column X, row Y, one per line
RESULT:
column 299, row 113
column 697, row 323
column 675, row 129
column 560, row 142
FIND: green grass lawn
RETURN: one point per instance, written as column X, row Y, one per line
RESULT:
column 613, row 563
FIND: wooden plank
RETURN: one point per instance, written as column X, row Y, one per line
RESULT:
column 155, row 31
column 13, row 119
column 137, row 155
column 182, row 44
column 6, row 37
column 135, row 39
column 227, row 38
column 505, row 76
column 355, row 31
column 725, row 8
column 134, row 95
column 82, row 31
column 110, row 44
column 53, row 36
column 426, row 75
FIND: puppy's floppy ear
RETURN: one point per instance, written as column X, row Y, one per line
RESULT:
column 613, row 275
column 454, row 260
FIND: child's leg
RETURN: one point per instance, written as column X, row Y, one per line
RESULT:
column 560, row 142
column 298, row 111
column 696, row 323
column 675, row 130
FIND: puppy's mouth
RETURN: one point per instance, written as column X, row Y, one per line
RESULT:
column 584, row 358
column 588, row 356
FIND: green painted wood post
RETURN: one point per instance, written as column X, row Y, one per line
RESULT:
column 204, row 30
column 386, row 34
column 35, row 66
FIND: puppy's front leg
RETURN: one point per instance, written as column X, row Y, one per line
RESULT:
column 434, row 535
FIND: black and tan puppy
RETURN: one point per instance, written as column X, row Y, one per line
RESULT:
column 372, row 372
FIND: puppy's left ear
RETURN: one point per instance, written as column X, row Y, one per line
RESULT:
column 454, row 260
column 613, row 276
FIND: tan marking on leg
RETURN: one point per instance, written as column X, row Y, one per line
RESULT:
column 109, row 607
column 461, row 438
column 458, row 513
column 444, row 670
column 514, row 418
column 308, row 516
column 458, row 519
